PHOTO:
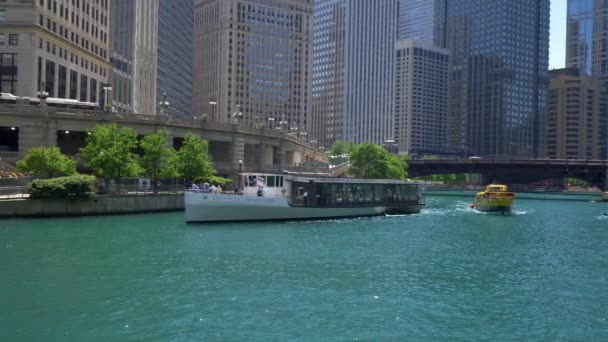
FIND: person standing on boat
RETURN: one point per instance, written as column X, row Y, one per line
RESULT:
column 261, row 191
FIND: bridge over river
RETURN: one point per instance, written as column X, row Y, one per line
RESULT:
column 517, row 171
column 231, row 146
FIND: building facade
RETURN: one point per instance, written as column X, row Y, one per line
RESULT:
column 417, row 20
column 421, row 99
column 577, row 126
column 175, row 36
column 353, row 77
column 253, row 62
column 134, row 34
column 61, row 47
column 498, row 75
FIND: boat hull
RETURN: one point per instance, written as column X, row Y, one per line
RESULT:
column 224, row 208
column 494, row 209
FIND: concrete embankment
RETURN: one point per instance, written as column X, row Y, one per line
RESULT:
column 100, row 205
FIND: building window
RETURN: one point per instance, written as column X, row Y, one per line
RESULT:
column 62, row 84
column 84, row 82
column 73, row 85
column 8, row 73
column 50, row 78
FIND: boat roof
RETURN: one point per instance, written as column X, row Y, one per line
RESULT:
column 327, row 179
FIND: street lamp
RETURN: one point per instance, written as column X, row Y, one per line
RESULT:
column 213, row 103
column 42, row 94
column 164, row 105
column 106, row 89
column 240, row 171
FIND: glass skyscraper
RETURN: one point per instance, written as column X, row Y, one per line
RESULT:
column 175, row 35
column 498, row 77
column 353, row 70
column 416, row 20
column 586, row 37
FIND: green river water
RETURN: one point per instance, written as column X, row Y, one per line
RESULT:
column 448, row 273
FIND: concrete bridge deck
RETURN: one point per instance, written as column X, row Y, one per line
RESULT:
column 257, row 148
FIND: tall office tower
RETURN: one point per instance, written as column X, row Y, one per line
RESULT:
column 585, row 37
column 175, row 34
column 134, row 33
column 61, row 47
column 498, row 77
column 576, row 126
column 353, row 88
column 253, row 61
column 417, row 20
column 421, row 99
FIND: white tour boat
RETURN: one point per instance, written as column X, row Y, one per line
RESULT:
column 293, row 197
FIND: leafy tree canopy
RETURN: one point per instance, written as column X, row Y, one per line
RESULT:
column 109, row 152
column 47, row 162
column 159, row 159
column 193, row 158
column 375, row 162
column 341, row 147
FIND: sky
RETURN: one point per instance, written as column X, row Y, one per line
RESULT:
column 557, row 50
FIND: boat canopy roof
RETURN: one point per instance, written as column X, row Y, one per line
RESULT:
column 496, row 188
column 328, row 179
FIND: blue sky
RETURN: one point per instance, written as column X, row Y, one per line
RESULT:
column 557, row 51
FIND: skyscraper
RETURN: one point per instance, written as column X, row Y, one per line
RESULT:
column 175, row 34
column 417, row 20
column 253, row 61
column 576, row 126
column 60, row 47
column 353, row 77
column 134, row 33
column 498, row 77
column 584, row 40
column 421, row 99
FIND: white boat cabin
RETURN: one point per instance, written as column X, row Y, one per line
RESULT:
column 270, row 185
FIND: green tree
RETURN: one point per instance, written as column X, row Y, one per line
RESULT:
column 109, row 152
column 158, row 160
column 47, row 162
column 341, row 147
column 193, row 158
column 375, row 162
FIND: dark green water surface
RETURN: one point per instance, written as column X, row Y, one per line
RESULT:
column 449, row 273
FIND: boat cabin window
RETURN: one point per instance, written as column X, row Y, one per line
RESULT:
column 265, row 181
column 352, row 194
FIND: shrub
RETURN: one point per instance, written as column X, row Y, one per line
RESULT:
column 72, row 187
column 215, row 180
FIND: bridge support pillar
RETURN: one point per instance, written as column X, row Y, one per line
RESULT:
column 238, row 153
column 36, row 135
column 282, row 157
column 264, row 157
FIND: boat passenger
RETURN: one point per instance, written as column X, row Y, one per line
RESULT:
column 195, row 187
column 205, row 187
column 212, row 188
column 218, row 189
column 261, row 191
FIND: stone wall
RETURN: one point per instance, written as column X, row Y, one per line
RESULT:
column 100, row 205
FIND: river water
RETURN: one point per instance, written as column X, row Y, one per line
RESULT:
column 448, row 273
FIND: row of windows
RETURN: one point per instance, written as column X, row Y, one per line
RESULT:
column 13, row 39
column 73, row 37
column 73, row 58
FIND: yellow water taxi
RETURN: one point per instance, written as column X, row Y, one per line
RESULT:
column 496, row 198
